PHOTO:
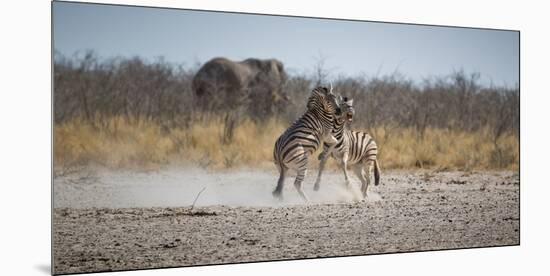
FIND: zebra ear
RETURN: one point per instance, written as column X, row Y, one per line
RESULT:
column 350, row 102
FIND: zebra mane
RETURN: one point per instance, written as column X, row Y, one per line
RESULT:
column 318, row 98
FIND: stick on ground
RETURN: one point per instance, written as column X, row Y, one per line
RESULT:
column 197, row 197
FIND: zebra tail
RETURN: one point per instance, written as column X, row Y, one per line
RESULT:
column 376, row 173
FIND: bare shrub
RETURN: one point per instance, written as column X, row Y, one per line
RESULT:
column 149, row 110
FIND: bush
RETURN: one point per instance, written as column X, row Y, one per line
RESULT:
column 128, row 111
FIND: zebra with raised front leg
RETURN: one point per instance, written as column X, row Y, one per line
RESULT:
column 303, row 138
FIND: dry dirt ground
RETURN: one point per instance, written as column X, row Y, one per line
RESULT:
column 112, row 221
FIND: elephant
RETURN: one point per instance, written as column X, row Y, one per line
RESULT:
column 255, row 84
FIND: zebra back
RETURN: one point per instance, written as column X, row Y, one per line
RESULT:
column 362, row 147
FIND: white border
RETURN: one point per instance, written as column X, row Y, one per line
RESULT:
column 25, row 143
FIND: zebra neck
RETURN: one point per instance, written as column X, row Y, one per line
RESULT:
column 338, row 129
column 325, row 118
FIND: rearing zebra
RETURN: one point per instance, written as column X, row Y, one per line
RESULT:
column 304, row 137
column 354, row 148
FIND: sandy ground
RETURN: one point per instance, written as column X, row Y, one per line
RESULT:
column 108, row 221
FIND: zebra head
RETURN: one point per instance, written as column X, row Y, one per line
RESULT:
column 347, row 109
column 324, row 98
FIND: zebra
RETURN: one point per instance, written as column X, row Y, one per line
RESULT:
column 293, row 148
column 354, row 148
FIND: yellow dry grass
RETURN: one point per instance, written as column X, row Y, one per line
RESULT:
column 447, row 150
column 118, row 143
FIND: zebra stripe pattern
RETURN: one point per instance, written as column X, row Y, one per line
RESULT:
column 303, row 138
column 354, row 148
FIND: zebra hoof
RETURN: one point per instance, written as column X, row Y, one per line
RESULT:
column 316, row 187
column 278, row 195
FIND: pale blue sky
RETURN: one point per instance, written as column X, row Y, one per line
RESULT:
column 349, row 47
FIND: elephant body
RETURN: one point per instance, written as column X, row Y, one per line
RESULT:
column 222, row 84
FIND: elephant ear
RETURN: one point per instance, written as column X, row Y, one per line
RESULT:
column 280, row 68
column 275, row 68
column 270, row 67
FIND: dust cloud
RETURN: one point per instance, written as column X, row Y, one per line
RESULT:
column 178, row 187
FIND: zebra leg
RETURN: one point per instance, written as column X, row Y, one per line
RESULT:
column 368, row 171
column 279, row 189
column 324, row 156
column 298, row 183
column 331, row 141
column 321, row 168
column 345, row 169
column 358, row 170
